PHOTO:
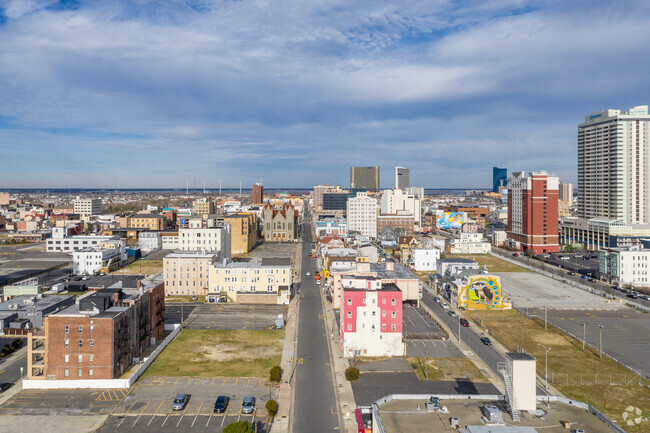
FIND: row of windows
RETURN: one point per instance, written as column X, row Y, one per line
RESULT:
column 383, row 327
column 393, row 301
column 66, row 358
column 91, row 343
column 383, row 314
column 80, row 328
column 66, row 372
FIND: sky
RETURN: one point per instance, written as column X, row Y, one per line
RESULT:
column 292, row 93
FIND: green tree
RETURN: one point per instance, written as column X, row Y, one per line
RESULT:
column 272, row 407
column 274, row 374
column 238, row 427
column 89, row 228
column 352, row 374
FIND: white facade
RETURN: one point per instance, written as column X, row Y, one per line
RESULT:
column 234, row 279
column 362, row 214
column 398, row 202
column 521, row 368
column 88, row 206
column 74, row 243
column 216, row 239
column 614, row 165
column 107, row 255
column 470, row 243
column 169, row 242
column 425, row 259
column 150, row 241
column 626, row 266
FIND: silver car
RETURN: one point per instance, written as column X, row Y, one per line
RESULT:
column 180, row 402
column 248, row 406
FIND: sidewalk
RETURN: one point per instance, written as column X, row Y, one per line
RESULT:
column 343, row 391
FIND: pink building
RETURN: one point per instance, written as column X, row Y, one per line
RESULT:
column 371, row 320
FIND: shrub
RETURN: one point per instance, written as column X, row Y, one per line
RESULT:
column 274, row 375
column 17, row 344
column 272, row 407
column 7, row 348
column 352, row 374
column 238, row 427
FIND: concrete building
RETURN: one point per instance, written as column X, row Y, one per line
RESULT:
column 371, row 321
column 243, row 232
column 203, row 207
column 364, row 178
column 533, row 211
column 447, row 267
column 187, row 273
column 70, row 244
column 170, row 240
column 499, row 178
column 628, row 266
column 87, row 207
column 213, row 239
column 613, row 175
column 565, row 193
column 35, row 308
column 150, row 241
column 333, row 201
column 4, row 199
column 470, row 243
column 145, row 221
column 280, row 224
column 267, row 282
column 258, row 194
column 398, row 202
column 105, row 257
column 100, row 337
column 596, row 233
column 402, row 223
column 425, row 259
column 402, row 180
column 362, row 214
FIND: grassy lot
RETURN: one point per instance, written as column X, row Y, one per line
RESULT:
column 199, row 299
column 210, row 353
column 583, row 375
column 144, row 267
column 447, row 369
column 494, row 264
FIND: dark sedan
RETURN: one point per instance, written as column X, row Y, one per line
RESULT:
column 486, row 341
column 221, row 405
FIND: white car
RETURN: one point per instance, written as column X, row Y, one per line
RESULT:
column 445, row 305
column 452, row 313
column 438, row 299
column 318, row 282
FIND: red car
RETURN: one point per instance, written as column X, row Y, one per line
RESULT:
column 464, row 322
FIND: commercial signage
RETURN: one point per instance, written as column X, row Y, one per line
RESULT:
column 450, row 220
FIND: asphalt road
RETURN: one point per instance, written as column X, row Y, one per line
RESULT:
column 314, row 405
column 488, row 354
column 10, row 366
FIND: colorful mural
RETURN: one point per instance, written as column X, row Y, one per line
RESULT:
column 482, row 292
column 450, row 220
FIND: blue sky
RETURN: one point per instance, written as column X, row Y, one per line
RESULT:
column 294, row 92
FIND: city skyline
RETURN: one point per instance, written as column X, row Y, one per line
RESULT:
column 147, row 95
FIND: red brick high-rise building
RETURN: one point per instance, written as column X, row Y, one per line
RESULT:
column 258, row 194
column 533, row 211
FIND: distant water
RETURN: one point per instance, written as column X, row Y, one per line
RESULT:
column 211, row 191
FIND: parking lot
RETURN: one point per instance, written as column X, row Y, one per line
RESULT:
column 423, row 337
column 20, row 262
column 223, row 316
column 528, row 289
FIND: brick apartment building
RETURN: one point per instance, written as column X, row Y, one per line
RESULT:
column 99, row 337
column 403, row 225
column 258, row 194
column 533, row 211
column 371, row 320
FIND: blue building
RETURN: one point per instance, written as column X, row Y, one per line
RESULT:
column 498, row 175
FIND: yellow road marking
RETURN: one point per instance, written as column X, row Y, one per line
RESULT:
column 200, row 406
column 236, row 381
column 159, row 406
column 224, row 380
column 213, row 379
column 249, row 381
column 145, row 407
column 127, row 411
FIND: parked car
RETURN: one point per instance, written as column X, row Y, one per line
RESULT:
column 248, row 405
column 445, row 306
column 438, row 299
column 633, row 295
column 571, row 273
column 180, row 401
column 464, row 322
column 318, row 282
column 221, row 405
column 308, row 273
column 645, row 297
column 413, row 303
column 452, row 313
column 486, row 341
column 515, row 254
column 5, row 386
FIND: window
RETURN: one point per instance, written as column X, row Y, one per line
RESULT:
column 393, row 327
column 92, row 328
column 79, row 358
column 349, row 314
column 67, row 329
column 66, row 373
column 91, row 358
column 66, row 358
column 383, row 314
column 67, row 343
column 394, row 314
column 91, row 343
column 349, row 301
column 90, row 372
column 364, row 301
column 392, row 301
column 81, row 343
column 81, row 329
column 383, row 326
column 349, row 326
column 79, row 373
column 383, row 301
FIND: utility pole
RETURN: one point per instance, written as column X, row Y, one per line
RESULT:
column 545, row 321
column 584, row 334
column 600, row 337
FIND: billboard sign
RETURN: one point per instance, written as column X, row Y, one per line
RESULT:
column 450, row 220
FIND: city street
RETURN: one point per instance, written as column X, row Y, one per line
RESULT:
column 314, row 401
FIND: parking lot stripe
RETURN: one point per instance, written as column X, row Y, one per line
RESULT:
column 213, row 379
column 163, row 424
column 224, row 381
column 236, row 381
column 197, row 413
column 145, row 407
column 209, row 418
column 159, row 406
column 188, row 380
column 225, row 414
column 249, row 381
column 180, row 419
column 127, row 411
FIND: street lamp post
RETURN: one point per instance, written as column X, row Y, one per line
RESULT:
column 584, row 334
column 545, row 363
column 545, row 321
column 600, row 337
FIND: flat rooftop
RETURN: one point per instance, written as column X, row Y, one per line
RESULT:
column 411, row 416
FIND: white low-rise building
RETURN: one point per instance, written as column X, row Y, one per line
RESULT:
column 105, row 257
column 626, row 266
column 470, row 243
column 73, row 243
column 214, row 239
column 150, row 241
column 425, row 259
